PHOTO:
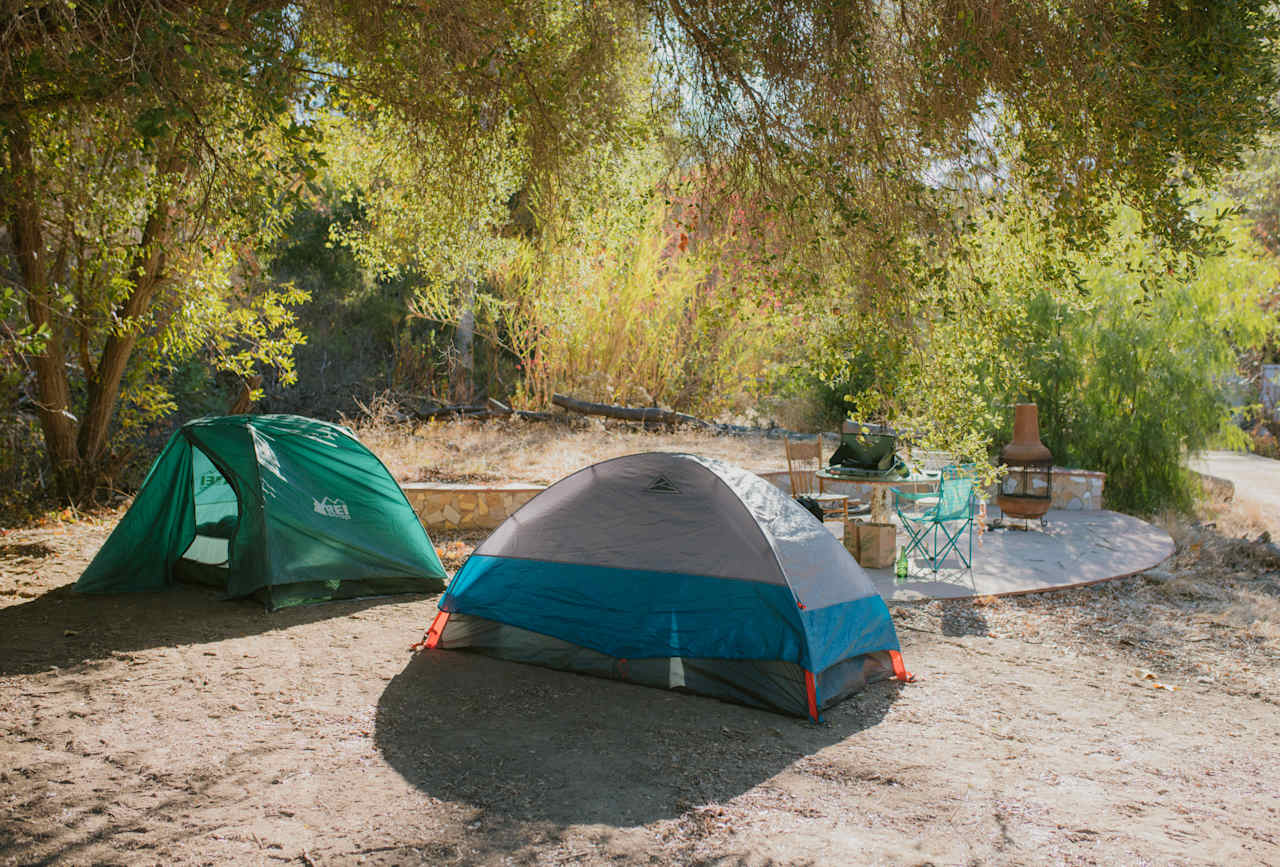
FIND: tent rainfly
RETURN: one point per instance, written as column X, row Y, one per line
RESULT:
column 675, row 571
column 287, row 509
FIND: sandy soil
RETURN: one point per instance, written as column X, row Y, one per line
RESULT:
column 1126, row 723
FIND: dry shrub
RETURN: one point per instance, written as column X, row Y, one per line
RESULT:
column 803, row 412
column 1226, row 572
column 629, row 313
column 1238, row 516
column 1264, row 439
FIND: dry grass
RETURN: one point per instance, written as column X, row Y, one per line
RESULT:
column 513, row 450
column 1227, row 564
column 1241, row 517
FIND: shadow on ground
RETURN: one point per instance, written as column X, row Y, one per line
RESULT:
column 963, row 617
column 62, row 627
column 530, row 744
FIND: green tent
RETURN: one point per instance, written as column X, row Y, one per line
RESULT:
column 288, row 509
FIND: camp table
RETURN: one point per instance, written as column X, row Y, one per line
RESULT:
column 881, row 512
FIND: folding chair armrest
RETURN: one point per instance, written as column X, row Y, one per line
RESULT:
column 912, row 496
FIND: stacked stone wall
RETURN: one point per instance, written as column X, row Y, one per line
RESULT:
column 1077, row 490
column 484, row 507
column 1073, row 490
column 466, row 507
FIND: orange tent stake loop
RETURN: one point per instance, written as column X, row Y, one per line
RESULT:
column 811, row 688
column 432, row 638
column 900, row 673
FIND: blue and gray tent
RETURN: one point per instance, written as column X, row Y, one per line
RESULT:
column 675, row 571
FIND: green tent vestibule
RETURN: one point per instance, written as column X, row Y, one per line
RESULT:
column 288, row 509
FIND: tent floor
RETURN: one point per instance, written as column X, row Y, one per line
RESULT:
column 1075, row 548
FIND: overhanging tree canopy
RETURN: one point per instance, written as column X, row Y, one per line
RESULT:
column 869, row 130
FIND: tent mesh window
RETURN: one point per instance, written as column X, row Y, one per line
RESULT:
column 217, row 510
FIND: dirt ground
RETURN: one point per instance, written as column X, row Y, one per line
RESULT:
column 1133, row 722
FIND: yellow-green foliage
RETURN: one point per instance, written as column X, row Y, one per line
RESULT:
column 210, row 302
column 1127, row 350
column 1133, row 373
column 624, row 314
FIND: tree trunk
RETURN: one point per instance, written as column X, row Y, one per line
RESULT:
column 244, row 398
column 146, row 270
column 76, row 448
column 463, row 367
column 53, row 391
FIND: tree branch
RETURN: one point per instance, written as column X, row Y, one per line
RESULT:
column 146, row 270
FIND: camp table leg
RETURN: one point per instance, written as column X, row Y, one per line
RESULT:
column 880, row 512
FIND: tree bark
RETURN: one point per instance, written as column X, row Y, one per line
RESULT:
column 76, row 447
column 147, row 271
column 463, row 367
column 627, row 413
column 244, row 398
column 53, row 390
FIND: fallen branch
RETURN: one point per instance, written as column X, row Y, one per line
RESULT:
column 646, row 414
column 451, row 409
column 484, row 411
column 657, row 415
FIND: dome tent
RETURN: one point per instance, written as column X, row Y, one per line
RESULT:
column 676, row 571
column 288, row 509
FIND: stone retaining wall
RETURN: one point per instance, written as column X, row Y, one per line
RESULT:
column 1214, row 486
column 466, row 507
column 1074, row 490
column 484, row 507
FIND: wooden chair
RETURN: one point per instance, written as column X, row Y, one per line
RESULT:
column 804, row 459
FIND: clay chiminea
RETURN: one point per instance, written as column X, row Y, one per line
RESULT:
column 1027, row 490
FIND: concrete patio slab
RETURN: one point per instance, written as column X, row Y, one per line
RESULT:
column 1075, row 548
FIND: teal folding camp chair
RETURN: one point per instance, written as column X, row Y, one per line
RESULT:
column 970, row 471
column 937, row 531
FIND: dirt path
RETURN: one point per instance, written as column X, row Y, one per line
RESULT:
column 177, row 728
column 1256, row 479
